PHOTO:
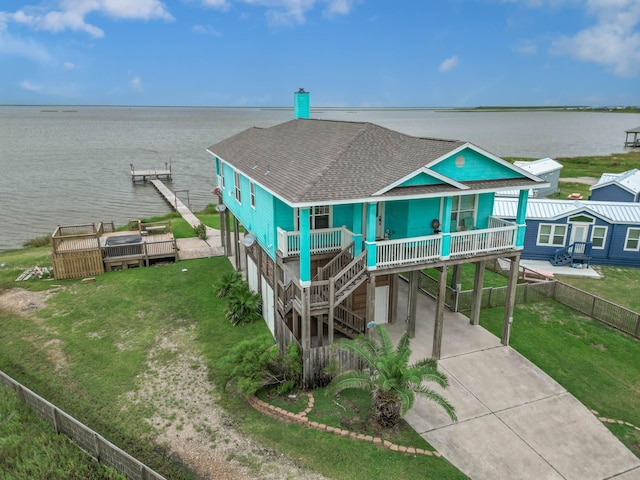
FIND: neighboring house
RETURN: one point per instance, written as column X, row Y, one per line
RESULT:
column 578, row 231
column 545, row 168
column 335, row 210
column 617, row 187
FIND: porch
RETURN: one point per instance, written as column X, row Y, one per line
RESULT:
column 499, row 236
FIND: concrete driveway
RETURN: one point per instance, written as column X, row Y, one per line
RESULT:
column 514, row 421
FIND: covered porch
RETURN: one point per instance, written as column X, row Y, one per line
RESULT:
column 500, row 235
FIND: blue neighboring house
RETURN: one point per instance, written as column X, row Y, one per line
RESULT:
column 333, row 211
column 578, row 231
column 617, row 187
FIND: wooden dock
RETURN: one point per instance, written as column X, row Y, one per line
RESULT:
column 633, row 138
column 176, row 203
column 148, row 175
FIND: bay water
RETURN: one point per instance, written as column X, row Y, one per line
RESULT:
column 71, row 165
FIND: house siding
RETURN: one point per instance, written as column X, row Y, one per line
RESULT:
column 476, row 167
column 611, row 193
column 552, row 178
column 421, row 179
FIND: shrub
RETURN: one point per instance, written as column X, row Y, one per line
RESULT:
column 257, row 363
column 227, row 283
column 243, row 306
column 43, row 241
column 201, row 231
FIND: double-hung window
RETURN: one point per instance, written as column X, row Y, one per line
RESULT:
column 463, row 211
column 599, row 237
column 632, row 242
column 319, row 217
column 236, row 179
column 552, row 234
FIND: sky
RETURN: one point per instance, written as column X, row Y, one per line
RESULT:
column 347, row 53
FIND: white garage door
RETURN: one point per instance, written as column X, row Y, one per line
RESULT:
column 267, row 305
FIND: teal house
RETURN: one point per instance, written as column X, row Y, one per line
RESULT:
column 334, row 211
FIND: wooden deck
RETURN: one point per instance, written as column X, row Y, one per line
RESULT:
column 148, row 175
column 176, row 203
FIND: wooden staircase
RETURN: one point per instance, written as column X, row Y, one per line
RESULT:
column 578, row 252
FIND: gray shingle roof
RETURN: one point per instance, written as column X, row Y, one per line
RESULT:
column 314, row 161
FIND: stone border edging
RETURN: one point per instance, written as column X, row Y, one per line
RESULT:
column 614, row 421
column 301, row 419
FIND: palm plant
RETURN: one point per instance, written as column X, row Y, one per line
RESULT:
column 227, row 283
column 243, row 306
column 392, row 382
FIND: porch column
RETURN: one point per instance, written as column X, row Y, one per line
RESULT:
column 305, row 247
column 223, row 229
column 476, row 301
column 511, row 299
column 305, row 320
column 439, row 320
column 371, row 302
column 227, row 221
column 412, row 304
column 521, row 214
column 394, row 298
column 357, row 229
column 370, row 238
column 236, row 247
column 447, row 203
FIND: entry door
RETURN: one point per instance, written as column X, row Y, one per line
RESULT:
column 382, row 305
column 579, row 232
column 380, row 220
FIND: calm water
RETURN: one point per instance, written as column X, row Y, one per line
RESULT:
column 70, row 167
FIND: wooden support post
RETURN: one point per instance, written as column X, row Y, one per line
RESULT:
column 511, row 299
column 319, row 330
column 236, row 246
column 393, row 283
column 332, row 301
column 476, row 301
column 456, row 275
column 223, row 230
column 412, row 304
column 305, row 320
column 371, row 301
column 295, row 323
column 276, row 293
column 227, row 221
column 439, row 320
column 259, row 267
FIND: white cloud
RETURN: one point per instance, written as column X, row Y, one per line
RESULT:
column 527, row 47
column 71, row 14
column 136, row 84
column 220, row 4
column 206, row 30
column 291, row 12
column 11, row 45
column 31, row 87
column 612, row 40
column 68, row 65
column 448, row 64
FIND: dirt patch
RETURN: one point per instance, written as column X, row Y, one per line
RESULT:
column 190, row 423
column 19, row 301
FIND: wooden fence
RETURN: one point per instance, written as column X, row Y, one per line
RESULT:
column 607, row 312
column 97, row 446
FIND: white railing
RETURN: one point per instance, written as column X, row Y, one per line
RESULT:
column 408, row 250
column 321, row 241
column 475, row 242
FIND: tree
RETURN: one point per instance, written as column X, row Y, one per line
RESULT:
column 392, row 382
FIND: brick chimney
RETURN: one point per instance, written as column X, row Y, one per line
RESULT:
column 301, row 107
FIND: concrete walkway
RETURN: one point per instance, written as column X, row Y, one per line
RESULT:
column 514, row 421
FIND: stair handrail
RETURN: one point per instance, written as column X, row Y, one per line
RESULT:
column 349, row 319
column 344, row 278
column 335, row 263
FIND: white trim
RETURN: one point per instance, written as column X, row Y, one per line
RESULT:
column 426, row 171
column 552, row 234
column 626, row 239
column 252, row 194
column 237, row 191
column 390, row 198
column 604, row 238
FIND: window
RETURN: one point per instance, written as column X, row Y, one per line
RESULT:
column 599, row 237
column 236, row 179
column 221, row 179
column 632, row 241
column 551, row 234
column 252, row 194
column 320, row 217
column 463, row 208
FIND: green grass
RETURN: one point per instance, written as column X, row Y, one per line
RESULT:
column 615, row 285
column 116, row 320
column 598, row 365
column 567, row 188
column 491, row 279
column 29, row 448
column 594, row 166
